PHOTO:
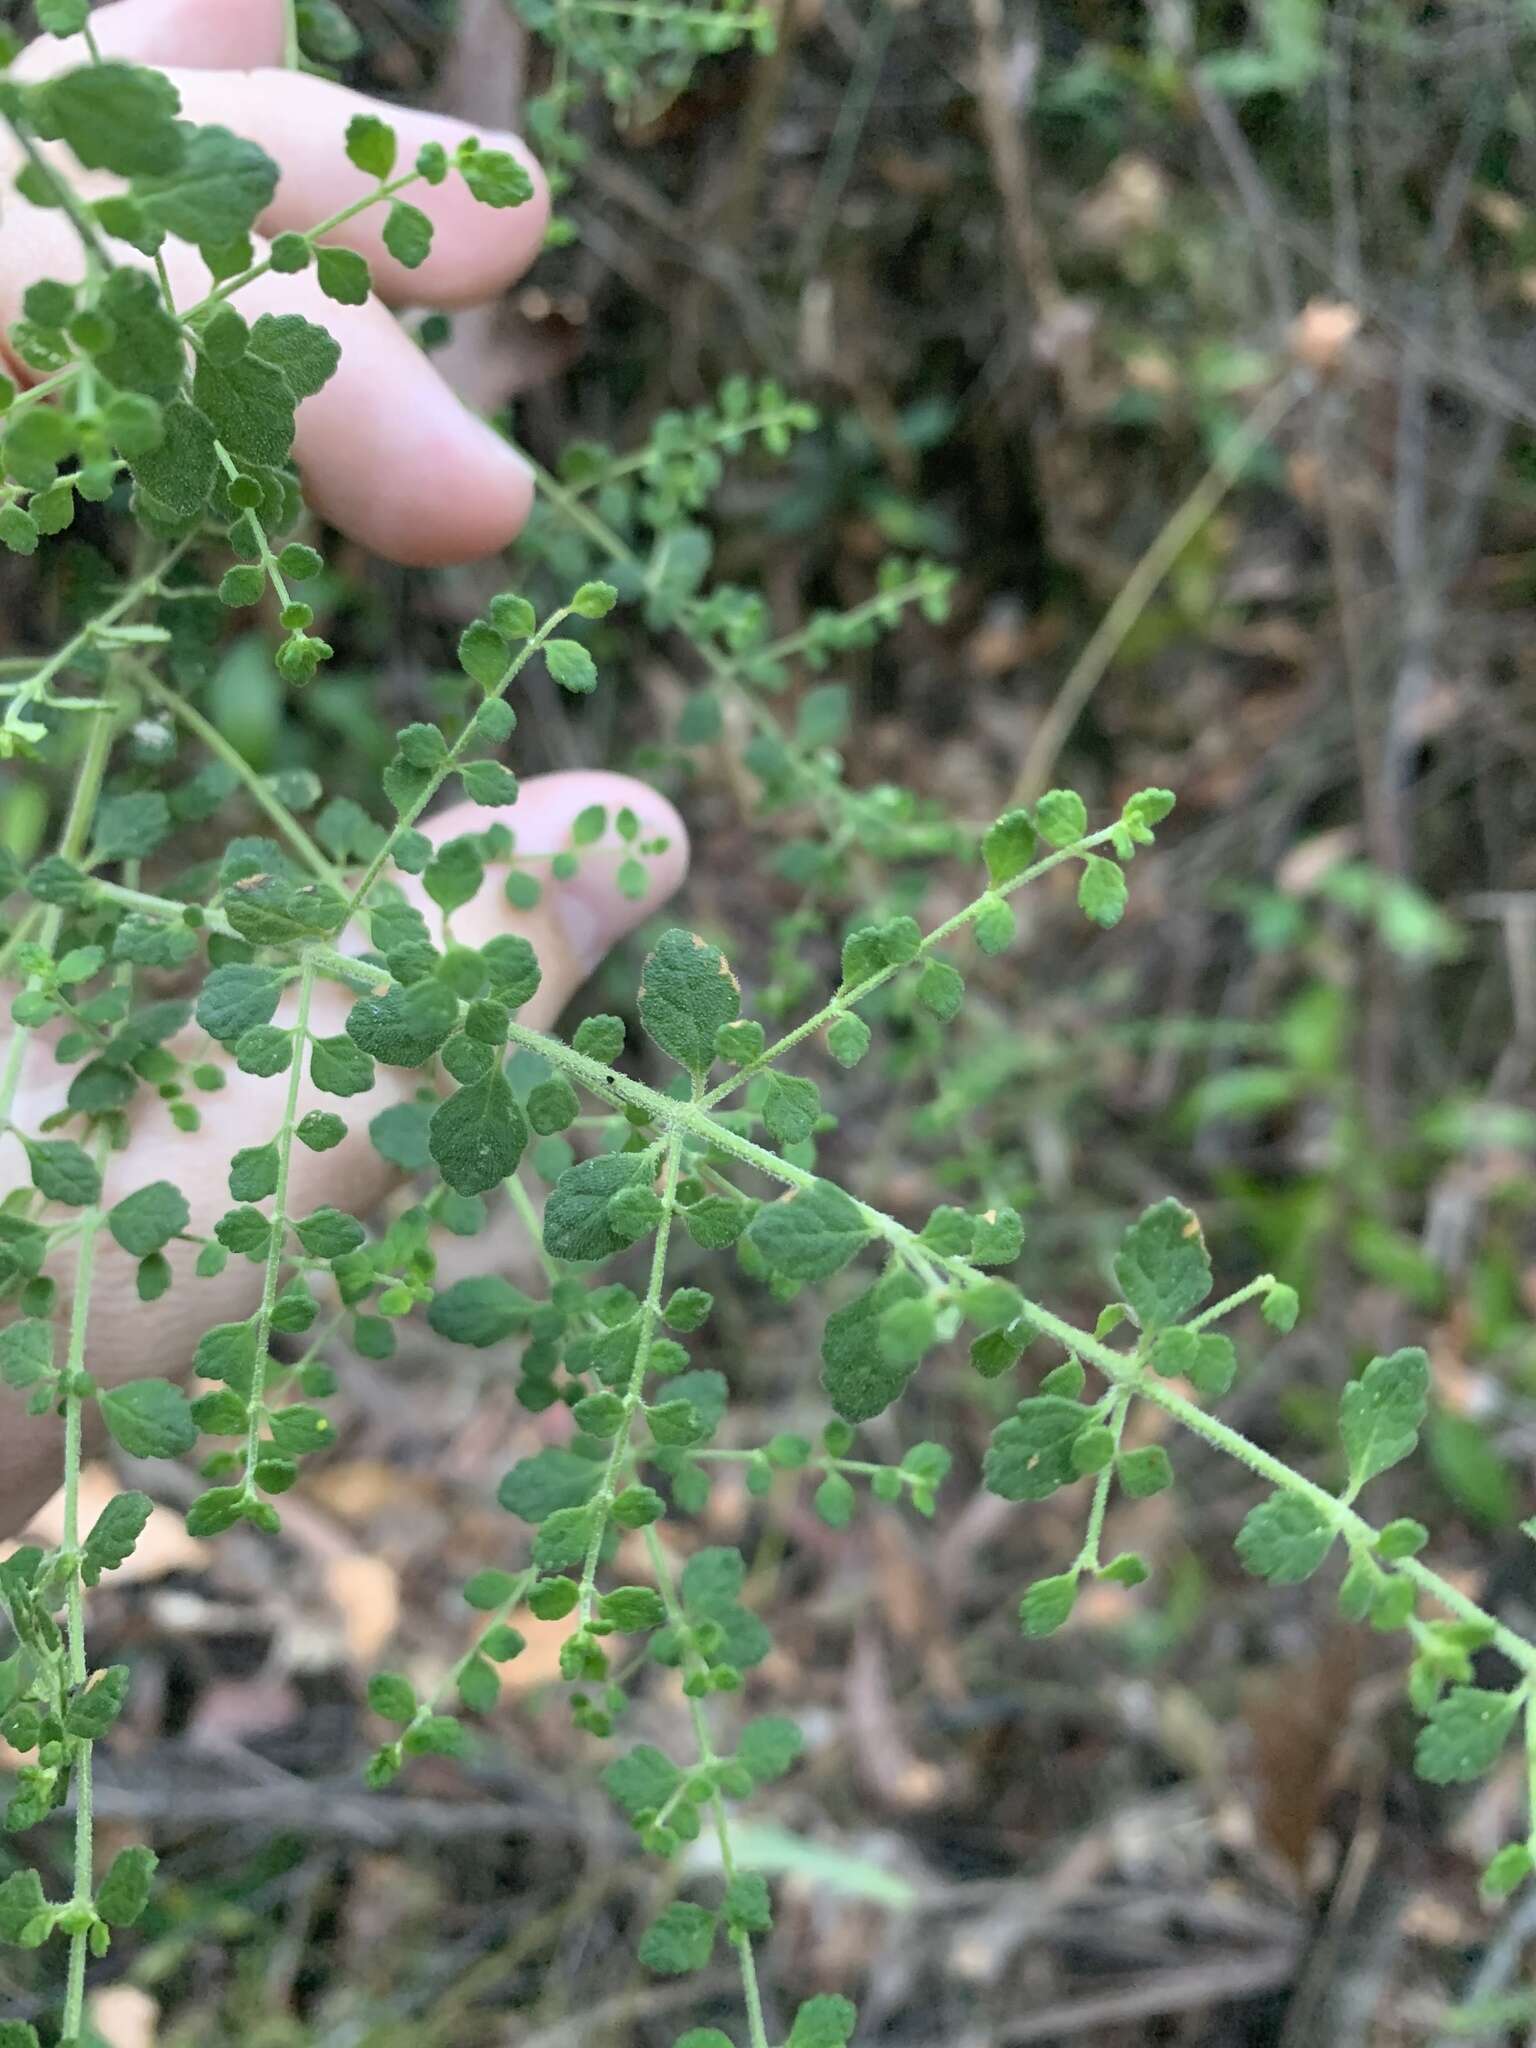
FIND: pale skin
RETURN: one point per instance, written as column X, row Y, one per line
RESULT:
column 389, row 456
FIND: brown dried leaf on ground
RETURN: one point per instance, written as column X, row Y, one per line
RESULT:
column 1298, row 1716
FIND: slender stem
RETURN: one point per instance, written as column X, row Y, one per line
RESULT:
column 77, row 825
column 88, row 780
column 10, row 1073
column 650, row 1316
column 845, row 999
column 1261, row 1284
column 522, row 1585
column 161, row 906
column 1088, row 1556
column 791, row 644
column 277, row 1244
column 835, row 801
column 235, row 761
column 730, row 430
column 725, row 667
column 65, row 196
column 166, row 291
column 45, row 388
column 666, row 1585
column 292, row 54
column 1134, row 595
column 273, row 574
column 1352, row 1527
column 132, row 594
column 695, row 1118
column 407, row 818
column 523, row 1203
column 842, row 151
column 74, row 1600
column 343, row 214
column 1116, row 1366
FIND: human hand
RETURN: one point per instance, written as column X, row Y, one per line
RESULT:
column 419, row 479
column 386, row 451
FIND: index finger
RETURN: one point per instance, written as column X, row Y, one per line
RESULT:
column 301, row 122
column 235, row 33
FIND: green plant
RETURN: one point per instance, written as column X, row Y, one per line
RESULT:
column 192, row 411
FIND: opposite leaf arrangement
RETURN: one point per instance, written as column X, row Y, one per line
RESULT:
column 186, row 417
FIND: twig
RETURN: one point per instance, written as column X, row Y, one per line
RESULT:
column 1172, row 18
column 1156, row 1993
column 842, row 149
column 1500, row 1961
column 1003, row 126
column 640, row 2003
column 336, row 1810
column 1341, row 165
column 1088, row 671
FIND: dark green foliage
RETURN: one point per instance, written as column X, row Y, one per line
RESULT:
column 547, row 1484
column 1285, row 1539
column 123, row 1892
column 113, row 1534
column 576, row 1224
column 477, row 1136
column 811, row 1233
column 1163, row 1268
column 1466, row 1731
column 687, row 992
column 149, row 1418
column 405, row 1027
column 1048, row 1604
column 1380, row 1413
column 680, row 1941
column 860, row 1378
column 480, row 1311
column 1030, row 1455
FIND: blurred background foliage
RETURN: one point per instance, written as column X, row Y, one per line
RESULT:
column 1192, row 346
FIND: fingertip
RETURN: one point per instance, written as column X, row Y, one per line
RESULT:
column 390, row 455
column 477, row 250
column 460, row 492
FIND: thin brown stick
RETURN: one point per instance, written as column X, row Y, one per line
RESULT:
column 1006, row 134
column 1136, row 593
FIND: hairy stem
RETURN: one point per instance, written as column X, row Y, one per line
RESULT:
column 833, row 799
column 231, row 285
column 439, row 775
column 74, row 1598
column 278, row 1242
column 650, row 1316
column 716, row 437
column 847, row 999
column 666, row 1585
column 34, row 687
column 1088, row 1556
column 256, row 787
column 77, row 827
